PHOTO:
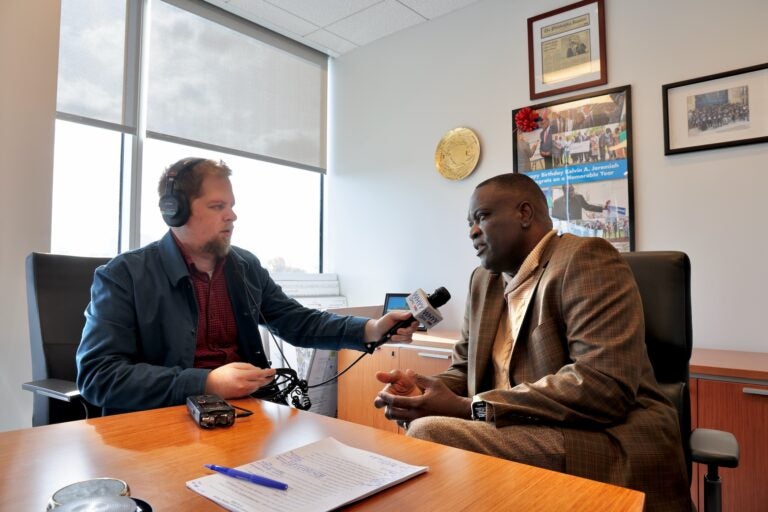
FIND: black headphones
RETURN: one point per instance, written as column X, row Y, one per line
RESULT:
column 174, row 204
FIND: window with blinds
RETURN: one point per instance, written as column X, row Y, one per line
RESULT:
column 143, row 83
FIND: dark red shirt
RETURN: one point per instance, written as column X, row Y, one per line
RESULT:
column 216, row 326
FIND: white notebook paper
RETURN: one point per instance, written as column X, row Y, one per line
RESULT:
column 323, row 475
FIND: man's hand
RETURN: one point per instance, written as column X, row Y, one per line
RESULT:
column 235, row 380
column 375, row 329
column 399, row 383
column 408, row 396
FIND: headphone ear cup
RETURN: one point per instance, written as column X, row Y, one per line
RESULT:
column 175, row 209
column 174, row 205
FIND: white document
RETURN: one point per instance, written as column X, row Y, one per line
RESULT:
column 323, row 475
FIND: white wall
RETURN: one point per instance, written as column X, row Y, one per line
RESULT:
column 29, row 45
column 394, row 224
column 391, row 103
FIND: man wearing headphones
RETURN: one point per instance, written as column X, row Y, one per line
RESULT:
column 180, row 316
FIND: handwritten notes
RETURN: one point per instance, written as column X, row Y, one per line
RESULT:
column 321, row 476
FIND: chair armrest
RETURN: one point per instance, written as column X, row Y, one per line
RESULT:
column 714, row 447
column 59, row 389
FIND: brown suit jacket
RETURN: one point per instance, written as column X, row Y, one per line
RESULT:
column 579, row 364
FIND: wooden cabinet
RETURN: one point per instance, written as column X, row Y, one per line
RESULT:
column 730, row 392
column 358, row 387
column 742, row 409
column 423, row 360
column 430, row 353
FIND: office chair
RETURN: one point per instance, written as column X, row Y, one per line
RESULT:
column 664, row 281
column 58, row 290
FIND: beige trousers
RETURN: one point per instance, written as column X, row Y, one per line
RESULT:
column 540, row 446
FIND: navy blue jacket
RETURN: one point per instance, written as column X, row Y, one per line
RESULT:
column 138, row 346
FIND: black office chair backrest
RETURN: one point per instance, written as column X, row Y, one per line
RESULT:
column 664, row 281
column 58, row 291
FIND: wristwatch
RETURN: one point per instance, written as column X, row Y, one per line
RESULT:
column 481, row 411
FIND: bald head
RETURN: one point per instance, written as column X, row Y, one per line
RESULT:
column 523, row 188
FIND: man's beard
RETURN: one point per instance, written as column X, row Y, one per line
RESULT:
column 219, row 247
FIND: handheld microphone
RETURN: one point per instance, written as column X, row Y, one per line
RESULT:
column 423, row 308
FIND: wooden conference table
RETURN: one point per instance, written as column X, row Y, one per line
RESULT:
column 157, row 451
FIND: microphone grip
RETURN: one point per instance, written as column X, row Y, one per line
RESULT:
column 371, row 346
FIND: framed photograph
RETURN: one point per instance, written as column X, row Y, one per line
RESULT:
column 579, row 151
column 566, row 49
column 716, row 111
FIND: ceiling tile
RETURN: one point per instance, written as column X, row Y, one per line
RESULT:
column 433, row 8
column 380, row 20
column 270, row 16
column 347, row 23
column 324, row 40
column 323, row 12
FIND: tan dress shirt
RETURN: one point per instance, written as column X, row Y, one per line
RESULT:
column 517, row 292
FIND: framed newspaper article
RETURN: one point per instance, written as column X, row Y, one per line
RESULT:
column 716, row 111
column 579, row 151
column 566, row 49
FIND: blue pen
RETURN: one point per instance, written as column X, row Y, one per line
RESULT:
column 250, row 477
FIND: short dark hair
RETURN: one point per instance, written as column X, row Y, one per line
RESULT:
column 519, row 182
column 525, row 186
column 190, row 181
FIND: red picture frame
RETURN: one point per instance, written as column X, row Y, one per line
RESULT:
column 567, row 49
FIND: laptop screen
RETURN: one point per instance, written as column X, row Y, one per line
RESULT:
column 395, row 302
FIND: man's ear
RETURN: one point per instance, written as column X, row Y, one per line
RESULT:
column 526, row 214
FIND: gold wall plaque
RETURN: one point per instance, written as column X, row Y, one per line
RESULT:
column 457, row 153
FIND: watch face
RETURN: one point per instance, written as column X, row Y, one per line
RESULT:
column 479, row 410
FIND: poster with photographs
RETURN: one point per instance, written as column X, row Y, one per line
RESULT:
column 716, row 111
column 566, row 49
column 580, row 154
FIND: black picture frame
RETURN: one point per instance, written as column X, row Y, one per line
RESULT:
column 567, row 49
column 716, row 111
column 593, row 163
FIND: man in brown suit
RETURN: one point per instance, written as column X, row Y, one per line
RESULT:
column 551, row 368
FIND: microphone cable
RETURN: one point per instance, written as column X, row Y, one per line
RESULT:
column 294, row 381
column 286, row 377
column 339, row 374
column 282, row 354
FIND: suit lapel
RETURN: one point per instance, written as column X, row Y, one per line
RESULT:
column 489, row 315
column 522, row 335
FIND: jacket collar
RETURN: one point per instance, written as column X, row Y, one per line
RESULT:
column 176, row 268
column 172, row 260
